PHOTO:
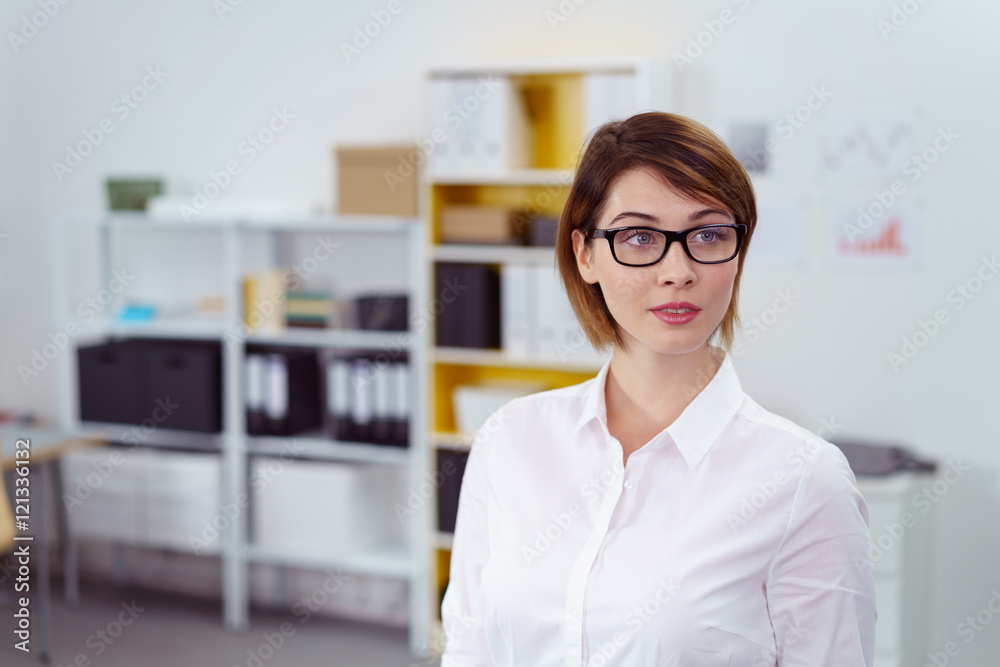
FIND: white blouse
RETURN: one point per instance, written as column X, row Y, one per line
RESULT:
column 733, row 537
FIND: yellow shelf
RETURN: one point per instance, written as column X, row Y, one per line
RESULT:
column 534, row 199
column 555, row 114
column 556, row 97
column 445, row 377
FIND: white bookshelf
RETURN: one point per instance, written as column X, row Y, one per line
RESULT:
column 230, row 450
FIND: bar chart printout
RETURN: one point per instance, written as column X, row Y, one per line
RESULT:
column 889, row 242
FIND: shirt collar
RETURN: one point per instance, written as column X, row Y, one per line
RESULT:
column 698, row 426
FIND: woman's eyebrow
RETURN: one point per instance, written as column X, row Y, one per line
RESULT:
column 697, row 215
column 633, row 214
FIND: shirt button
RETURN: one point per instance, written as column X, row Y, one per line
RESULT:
column 629, row 484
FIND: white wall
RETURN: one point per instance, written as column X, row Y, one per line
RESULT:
column 825, row 358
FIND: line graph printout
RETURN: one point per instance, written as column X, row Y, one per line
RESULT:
column 856, row 147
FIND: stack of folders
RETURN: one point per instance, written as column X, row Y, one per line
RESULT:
column 308, row 309
column 282, row 390
column 538, row 321
column 368, row 398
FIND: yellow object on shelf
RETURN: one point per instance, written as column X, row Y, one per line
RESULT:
column 264, row 300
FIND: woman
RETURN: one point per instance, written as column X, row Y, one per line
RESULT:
column 655, row 514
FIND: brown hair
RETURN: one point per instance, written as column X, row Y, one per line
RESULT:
column 692, row 160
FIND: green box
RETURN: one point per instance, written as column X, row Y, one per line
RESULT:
column 131, row 194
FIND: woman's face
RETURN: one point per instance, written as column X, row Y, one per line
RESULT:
column 636, row 295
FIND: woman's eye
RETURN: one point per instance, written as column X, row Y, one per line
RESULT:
column 709, row 236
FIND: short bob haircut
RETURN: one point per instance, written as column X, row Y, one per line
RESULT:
column 692, row 161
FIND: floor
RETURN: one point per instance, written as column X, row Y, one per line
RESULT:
column 137, row 628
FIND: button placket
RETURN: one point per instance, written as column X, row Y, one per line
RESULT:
column 576, row 589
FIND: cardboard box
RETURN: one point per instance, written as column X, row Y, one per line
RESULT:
column 462, row 223
column 377, row 180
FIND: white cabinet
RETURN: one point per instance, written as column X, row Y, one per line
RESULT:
column 144, row 497
column 183, row 500
column 349, row 507
column 901, row 533
column 101, row 490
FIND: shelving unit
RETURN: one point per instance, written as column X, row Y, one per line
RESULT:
column 272, row 243
column 563, row 102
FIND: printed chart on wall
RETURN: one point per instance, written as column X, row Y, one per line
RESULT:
column 889, row 240
column 866, row 147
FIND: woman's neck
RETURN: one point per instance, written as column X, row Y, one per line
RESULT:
column 651, row 390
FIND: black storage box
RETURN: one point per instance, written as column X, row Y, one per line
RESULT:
column 112, row 382
column 386, row 312
column 451, row 467
column 185, row 381
column 543, row 231
column 470, row 305
column 176, row 383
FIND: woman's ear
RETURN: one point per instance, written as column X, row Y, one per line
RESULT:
column 583, row 257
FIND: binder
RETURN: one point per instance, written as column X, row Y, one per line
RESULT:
column 485, row 121
column 290, row 390
column 608, row 96
column 255, row 384
column 517, row 305
column 451, row 486
column 367, row 398
column 572, row 343
column 381, row 426
column 442, row 95
column 338, row 392
column 361, row 400
column 547, row 319
column 502, row 128
column 276, row 393
column 400, row 405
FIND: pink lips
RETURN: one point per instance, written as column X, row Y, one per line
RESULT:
column 676, row 318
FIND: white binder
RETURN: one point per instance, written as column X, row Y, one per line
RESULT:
column 517, row 305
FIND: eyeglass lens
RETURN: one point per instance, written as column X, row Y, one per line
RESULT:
column 707, row 244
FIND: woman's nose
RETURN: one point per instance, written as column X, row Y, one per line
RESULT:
column 675, row 267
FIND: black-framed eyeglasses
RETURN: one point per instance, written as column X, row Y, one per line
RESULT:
column 645, row 246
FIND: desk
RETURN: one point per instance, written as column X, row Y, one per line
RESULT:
column 47, row 448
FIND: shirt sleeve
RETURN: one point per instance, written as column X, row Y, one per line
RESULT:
column 465, row 638
column 821, row 585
